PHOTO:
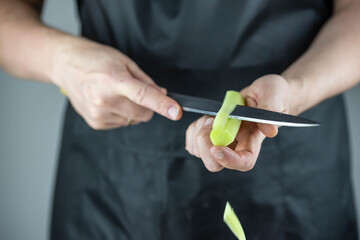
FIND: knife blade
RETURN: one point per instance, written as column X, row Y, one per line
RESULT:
column 211, row 107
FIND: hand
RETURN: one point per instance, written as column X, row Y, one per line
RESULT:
column 107, row 88
column 269, row 92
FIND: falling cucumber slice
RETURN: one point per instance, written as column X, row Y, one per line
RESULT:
column 224, row 128
column 233, row 222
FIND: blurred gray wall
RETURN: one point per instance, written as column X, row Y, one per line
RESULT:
column 30, row 129
column 31, row 117
column 352, row 98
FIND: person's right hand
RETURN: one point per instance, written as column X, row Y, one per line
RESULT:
column 106, row 87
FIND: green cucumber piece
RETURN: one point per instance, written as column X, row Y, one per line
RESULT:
column 233, row 222
column 224, row 128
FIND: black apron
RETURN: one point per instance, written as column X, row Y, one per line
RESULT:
column 138, row 182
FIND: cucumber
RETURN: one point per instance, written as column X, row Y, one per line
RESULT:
column 224, row 128
column 233, row 222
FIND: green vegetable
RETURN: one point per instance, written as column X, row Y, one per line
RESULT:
column 224, row 128
column 233, row 222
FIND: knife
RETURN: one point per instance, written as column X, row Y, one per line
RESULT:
column 211, row 107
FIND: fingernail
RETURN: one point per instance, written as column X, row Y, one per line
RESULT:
column 219, row 154
column 208, row 121
column 173, row 112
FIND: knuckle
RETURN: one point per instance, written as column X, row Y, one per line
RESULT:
column 252, row 165
column 248, row 165
column 100, row 102
column 98, row 127
column 96, row 115
column 212, row 167
column 190, row 151
column 95, row 125
column 140, row 95
column 189, row 130
column 162, row 104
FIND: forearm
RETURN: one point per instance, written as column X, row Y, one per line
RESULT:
column 331, row 65
column 26, row 44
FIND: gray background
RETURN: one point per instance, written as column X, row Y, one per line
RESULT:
column 30, row 129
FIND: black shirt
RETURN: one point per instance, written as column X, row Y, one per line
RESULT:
column 139, row 182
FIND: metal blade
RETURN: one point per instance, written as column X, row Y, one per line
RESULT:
column 211, row 107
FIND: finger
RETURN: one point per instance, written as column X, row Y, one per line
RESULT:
column 271, row 105
column 190, row 139
column 116, row 122
column 110, row 122
column 132, row 123
column 191, row 133
column 204, row 144
column 267, row 129
column 109, row 126
column 149, row 97
column 128, row 109
column 110, row 118
column 99, row 119
column 246, row 151
column 198, row 125
column 236, row 160
column 249, row 138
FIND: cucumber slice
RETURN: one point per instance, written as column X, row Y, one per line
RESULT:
column 233, row 222
column 224, row 128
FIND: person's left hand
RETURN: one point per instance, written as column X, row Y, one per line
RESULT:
column 270, row 92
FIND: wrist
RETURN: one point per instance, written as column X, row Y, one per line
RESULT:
column 297, row 99
column 57, row 47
